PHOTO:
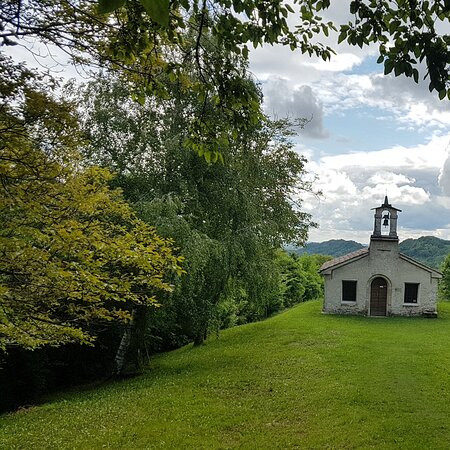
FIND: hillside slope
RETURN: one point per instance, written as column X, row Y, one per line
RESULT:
column 428, row 249
column 334, row 247
column 300, row 379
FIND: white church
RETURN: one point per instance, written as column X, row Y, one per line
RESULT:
column 379, row 280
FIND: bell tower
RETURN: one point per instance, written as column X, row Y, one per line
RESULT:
column 385, row 225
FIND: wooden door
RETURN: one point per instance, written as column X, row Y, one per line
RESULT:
column 378, row 297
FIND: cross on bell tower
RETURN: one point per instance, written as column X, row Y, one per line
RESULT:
column 385, row 225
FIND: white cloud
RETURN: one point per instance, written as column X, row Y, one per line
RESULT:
column 354, row 183
column 444, row 176
column 409, row 103
column 409, row 106
column 334, row 185
column 385, row 177
column 421, row 157
column 47, row 58
column 405, row 195
column 280, row 61
column 301, row 102
column 424, row 115
column 338, row 63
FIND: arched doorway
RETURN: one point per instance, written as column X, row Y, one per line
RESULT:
column 378, row 297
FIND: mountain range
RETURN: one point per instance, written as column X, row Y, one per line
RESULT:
column 429, row 250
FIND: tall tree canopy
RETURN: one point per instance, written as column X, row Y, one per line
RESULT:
column 197, row 44
column 445, row 282
column 226, row 218
column 73, row 254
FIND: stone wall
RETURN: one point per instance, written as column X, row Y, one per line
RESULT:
column 383, row 260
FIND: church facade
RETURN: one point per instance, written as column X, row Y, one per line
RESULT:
column 379, row 280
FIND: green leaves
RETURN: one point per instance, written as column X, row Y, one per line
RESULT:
column 354, row 7
column 158, row 10
column 445, row 283
column 232, row 214
column 410, row 29
column 388, row 66
column 75, row 245
column 342, row 36
column 107, row 6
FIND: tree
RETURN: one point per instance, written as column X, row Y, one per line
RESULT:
column 445, row 282
column 294, row 279
column 73, row 255
column 310, row 265
column 198, row 44
column 406, row 31
column 257, row 190
column 300, row 277
column 227, row 218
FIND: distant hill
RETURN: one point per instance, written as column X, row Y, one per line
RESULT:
column 335, row 248
column 428, row 249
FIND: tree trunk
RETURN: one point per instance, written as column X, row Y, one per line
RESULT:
column 198, row 340
column 200, row 337
column 125, row 342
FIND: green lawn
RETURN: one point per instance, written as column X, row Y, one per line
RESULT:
column 300, row 379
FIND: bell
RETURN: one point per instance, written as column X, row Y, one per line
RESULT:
column 386, row 220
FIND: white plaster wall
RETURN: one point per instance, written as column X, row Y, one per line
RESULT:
column 383, row 260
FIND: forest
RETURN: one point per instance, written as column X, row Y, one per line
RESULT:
column 120, row 243
column 149, row 206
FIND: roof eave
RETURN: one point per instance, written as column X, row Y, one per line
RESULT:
column 387, row 207
column 343, row 263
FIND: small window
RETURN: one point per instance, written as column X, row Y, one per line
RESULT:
column 411, row 292
column 348, row 291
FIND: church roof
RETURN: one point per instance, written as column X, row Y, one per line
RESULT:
column 344, row 259
column 349, row 257
column 387, row 205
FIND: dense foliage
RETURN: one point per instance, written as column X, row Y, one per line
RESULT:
column 198, row 43
column 227, row 218
column 428, row 249
column 95, row 259
column 300, row 277
column 445, row 282
column 73, row 253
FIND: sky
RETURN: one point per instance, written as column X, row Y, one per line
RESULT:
column 369, row 136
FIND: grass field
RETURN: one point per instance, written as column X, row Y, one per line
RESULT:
column 298, row 380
